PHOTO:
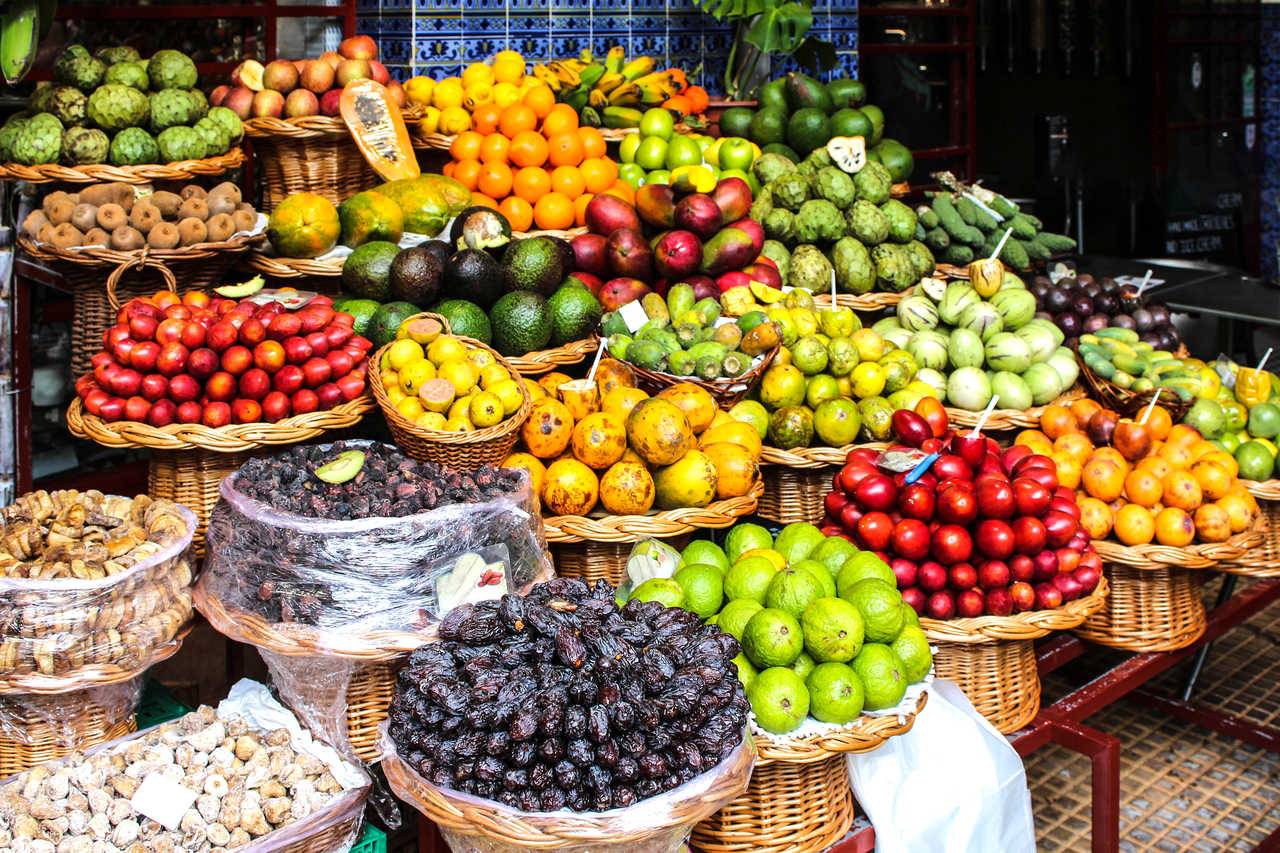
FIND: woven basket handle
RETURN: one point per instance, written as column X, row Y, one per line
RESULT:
column 439, row 318
column 142, row 262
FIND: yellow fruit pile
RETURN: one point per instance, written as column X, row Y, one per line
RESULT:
column 448, row 103
column 630, row 452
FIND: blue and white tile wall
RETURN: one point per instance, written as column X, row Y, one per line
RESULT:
column 1269, row 102
column 440, row 37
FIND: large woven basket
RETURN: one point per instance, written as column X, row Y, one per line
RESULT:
column 180, row 170
column 464, row 451
column 992, row 659
column 1148, row 610
column 1008, row 419
column 1261, row 561
column 1263, row 490
column 1201, row 555
column 313, row 154
column 794, row 494
column 1128, row 402
column 726, row 392
column 40, row 728
column 591, row 561
column 859, row 302
column 543, row 361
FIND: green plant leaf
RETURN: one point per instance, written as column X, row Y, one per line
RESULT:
column 780, row 28
column 816, row 55
column 732, row 9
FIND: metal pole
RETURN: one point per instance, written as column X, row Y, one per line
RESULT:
column 1228, row 587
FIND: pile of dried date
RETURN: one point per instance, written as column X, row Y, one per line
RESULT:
column 561, row 699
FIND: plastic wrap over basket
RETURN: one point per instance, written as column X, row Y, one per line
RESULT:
column 69, row 720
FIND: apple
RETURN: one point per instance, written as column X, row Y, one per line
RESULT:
column 931, row 576
column 357, row 47
column 951, row 544
column 1021, row 567
column 1048, row 596
column 1066, row 583
column 993, row 574
column 962, row 576
column 940, row 606
column 1029, row 535
column 1059, row 528
column 1030, row 497
column 237, row 359
column 280, row 75
column 1068, row 560
column 876, row 492
column 910, row 539
column 353, row 69
column 1087, row 577
column 203, row 363
column 112, row 409
column 288, row 379
column 267, row 104
column 956, row 505
column 193, row 334
column 1023, row 596
column 172, row 359
column 994, row 539
column 317, row 77
column 142, row 327
column 275, row 406
column 916, row 501
column 834, row 502
column 189, row 412
column 969, row 447
column 169, row 330
column 1046, row 565
column 218, row 95
column 340, row 362
column 221, row 335
column 297, row 350
column 875, row 531
column 254, row 384
column 904, row 571
column 331, row 103
column 248, row 74
column 252, row 333
column 950, row 466
column 316, row 372
column 999, row 602
column 137, row 409
column 93, row 401
column 969, row 603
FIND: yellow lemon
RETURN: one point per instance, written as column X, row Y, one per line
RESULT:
column 403, row 352
column 448, row 93
column 508, row 66
column 485, row 409
column 430, row 420
column 430, row 121
column 868, row 380
column 461, row 408
column 415, row 375
column 419, row 90
column 454, row 120
column 492, row 374
column 508, row 392
column 459, row 425
column 477, row 72
column 869, row 343
column 477, row 94
column 395, row 395
column 410, row 407
column 505, row 94
column 446, row 348
column 462, row 375
column 480, row 357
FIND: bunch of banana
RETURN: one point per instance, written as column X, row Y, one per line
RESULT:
column 608, row 91
column 22, row 24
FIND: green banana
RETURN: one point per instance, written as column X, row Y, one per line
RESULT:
column 575, row 98
column 19, row 38
column 591, row 75
column 639, row 67
column 590, row 117
column 621, row 117
column 614, row 59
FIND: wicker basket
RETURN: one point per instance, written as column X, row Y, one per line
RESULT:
column 1129, row 403
column 41, row 742
column 1261, row 561
column 726, row 392
column 1009, row 419
column 312, row 268
column 794, row 494
column 180, row 170
column 591, row 561
column 1263, row 490
column 443, row 141
column 658, row 525
column 309, row 154
column 464, row 451
column 546, row 360
column 862, row 735
column 860, row 302
column 1148, row 610
column 1204, row 555
column 192, row 478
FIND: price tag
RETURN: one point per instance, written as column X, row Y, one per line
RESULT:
column 163, row 800
column 291, row 299
column 633, row 315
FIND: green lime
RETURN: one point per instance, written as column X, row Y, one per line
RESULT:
column 821, row 573
column 881, row 607
column 779, row 700
column 846, row 93
column 735, row 616
column 1264, row 420
column 832, row 629
column 703, row 588
column 797, row 540
column 802, row 665
column 833, row 553
column 808, row 129
column 665, row 591
column 835, row 693
column 1255, row 461
column 821, row 388
column 810, row 355
column 883, row 676
column 745, row 537
column 791, row 590
column 913, row 647
column 861, row 566
column 746, row 672
column 749, row 578
column 705, row 552
column 772, row 638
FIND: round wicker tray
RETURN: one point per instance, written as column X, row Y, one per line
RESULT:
column 237, row 438
column 659, row 525
column 862, row 735
column 98, row 675
column 860, row 302
column 1002, row 419
column 1263, row 490
column 726, row 392
column 180, row 170
column 1262, row 561
column 543, row 361
column 96, row 257
column 1203, row 555
column 1030, row 625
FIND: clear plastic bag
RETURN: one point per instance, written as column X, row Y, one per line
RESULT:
column 54, row 626
column 71, row 720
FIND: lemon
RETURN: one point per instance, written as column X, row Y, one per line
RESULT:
column 477, row 72
column 389, row 378
column 447, row 93
column 415, row 375
column 508, row 66
column 868, row 380
column 505, row 94
column 410, row 407
column 766, row 294
column 779, row 561
column 481, row 357
column 454, row 120
column 430, row 420
column 459, row 425
column 485, row 409
column 492, row 374
column 476, row 95
column 430, row 121
column 508, row 393
column 395, row 395
column 462, row 375
column 446, row 348
column 403, row 352
column 419, row 90
column 536, row 391
column 461, row 408
column 869, row 343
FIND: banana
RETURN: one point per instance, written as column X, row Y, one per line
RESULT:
column 575, row 98
column 590, row 117
column 597, row 99
column 566, row 75
column 574, row 64
column 585, row 55
column 610, row 81
column 546, row 75
column 19, row 38
column 626, row 95
column 614, row 59
column 638, row 67
column 591, row 75
column 620, row 117
column 655, row 88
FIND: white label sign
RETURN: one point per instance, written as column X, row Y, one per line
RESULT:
column 163, row 800
column 633, row 315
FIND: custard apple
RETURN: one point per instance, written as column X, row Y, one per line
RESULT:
column 115, row 107
column 199, row 106
column 82, row 145
column 62, row 64
column 216, row 141
column 171, row 69
column 169, row 108
column 39, row 140
column 230, row 123
column 41, row 100
column 119, row 53
column 68, row 105
column 8, row 134
column 83, row 72
column 180, row 143
column 128, row 74
column 133, row 146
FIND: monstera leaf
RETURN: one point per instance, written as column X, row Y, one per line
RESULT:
column 774, row 28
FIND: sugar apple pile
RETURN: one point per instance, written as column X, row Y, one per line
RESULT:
column 115, row 107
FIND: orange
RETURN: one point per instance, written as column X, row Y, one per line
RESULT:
column 553, row 212
column 1239, row 516
column 598, row 173
column 1158, row 423
column 580, row 208
column 1174, row 527
column 1083, row 409
column 593, row 143
column 466, row 145
column 516, row 118
column 560, row 119
column 482, row 200
column 1134, row 525
column 1068, row 470
column 1214, row 480
column 495, row 180
column 540, row 99
column 528, row 148
column 564, row 149
column 550, row 426
column 1181, row 490
column 567, row 180
column 531, row 183
column 623, row 190
column 484, row 119
column 1143, row 488
column 1102, row 478
column 1075, row 445
column 1057, row 420
column 569, row 488
column 679, row 104
column 532, row 464
column 518, row 212
column 467, row 173
column 1176, row 455
column 1095, row 517
column 1157, row 465
column 1212, row 523
column 599, row 440
column 1223, row 460
column 698, row 98
column 1182, row 436
column 494, row 148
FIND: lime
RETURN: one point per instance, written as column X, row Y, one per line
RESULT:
column 810, row 355
column 1255, row 461
column 706, row 552
column 835, row 693
column 735, row 616
column 861, row 566
column 773, row 94
column 746, row 537
column 627, row 148
column 1264, row 420
column 657, row 122
column 772, row 638
column 913, row 647
column 746, row 672
column 832, row 629
column 882, row 674
column 702, row 586
column 791, row 590
column 779, row 700
column 881, row 607
column 802, row 665
column 821, row 388
column 665, row 591
column 833, row 553
column 749, row 578
column 820, row 572
column 751, row 412
column 797, row 540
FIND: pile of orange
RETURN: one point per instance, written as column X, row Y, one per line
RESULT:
column 534, row 163
column 1153, row 482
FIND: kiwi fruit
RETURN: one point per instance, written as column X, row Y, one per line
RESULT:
column 244, row 221
column 164, row 236
column 85, row 216
column 67, row 235
column 228, row 189
column 192, row 230
column 112, row 216
column 167, row 202
column 44, row 233
column 124, row 195
column 194, row 207
column 218, row 203
column 60, row 211
column 126, row 239
column 97, row 237
column 145, row 216
column 31, row 225
column 193, row 191
column 53, row 198
column 220, row 227
column 98, row 195
column 245, row 206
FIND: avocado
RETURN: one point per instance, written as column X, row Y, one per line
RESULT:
column 895, row 157
column 803, row 91
column 415, row 276
column 876, row 116
column 442, row 250
column 575, row 312
column 521, row 322
column 474, row 275
column 773, row 94
column 362, row 310
column 533, row 264
column 465, row 318
column 846, row 93
column 386, row 321
column 768, row 126
column 808, row 129
column 480, row 227
column 366, row 273
column 567, row 257
column 783, row 149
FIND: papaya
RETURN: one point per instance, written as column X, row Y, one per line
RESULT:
column 620, row 401
column 740, row 433
column 304, row 225
column 427, row 202
column 697, row 404
column 736, row 470
column 689, row 481
column 369, row 216
column 611, row 374
column 378, row 129
column 627, row 489
column 599, row 440
column 659, row 431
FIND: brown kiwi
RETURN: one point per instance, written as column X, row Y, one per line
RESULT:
column 52, row 199
column 98, row 195
column 194, row 207
column 97, row 237
column 124, row 195
column 244, row 205
column 126, row 239
column 193, row 191
column 220, row 227
column 228, row 189
column 85, row 216
column 112, row 216
column 67, row 235
column 192, row 230
column 31, row 225
column 244, row 220
column 164, row 236
column 167, row 202
column 219, row 203
column 44, row 233
column 60, row 211
column 145, row 216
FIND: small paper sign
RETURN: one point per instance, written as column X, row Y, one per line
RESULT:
column 163, row 800
column 633, row 315
column 291, row 299
column 471, row 581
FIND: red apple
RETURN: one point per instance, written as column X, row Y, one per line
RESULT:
column 203, row 363
column 1068, row 586
column 916, row 501
column 914, row 598
column 962, row 576
column 951, row 544
column 1022, row 595
column 288, row 379
column 875, row 531
column 246, row 411
column 189, row 412
column 853, row 473
column 163, row 413
column 331, row 102
column 357, row 47
column 125, row 382
column 112, row 409
column 170, row 331
column 221, row 335
column 850, row 516
column 193, row 334
column 905, row 572
column 994, row 539
column 911, row 539
column 1046, row 566
column 995, row 498
column 969, row 604
column 318, row 342
column 948, row 465
column 316, row 372
column 340, row 362
column 93, row 401
column 351, row 386
column 999, row 602
column 142, row 327
column 1030, row 498
column 834, row 502
column 940, row 606
column 1087, row 577
column 275, row 406
column 172, row 359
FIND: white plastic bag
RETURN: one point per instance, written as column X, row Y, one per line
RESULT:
column 952, row 783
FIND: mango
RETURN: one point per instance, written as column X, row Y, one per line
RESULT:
column 689, row 481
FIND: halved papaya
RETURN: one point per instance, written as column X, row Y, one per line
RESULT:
column 378, row 129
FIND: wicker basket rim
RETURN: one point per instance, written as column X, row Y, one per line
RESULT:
column 815, row 457
column 1002, row 419
column 860, row 301
column 661, row 524
column 175, row 171
column 1029, row 625
column 1201, row 555
column 97, row 675
column 114, row 257
column 570, row 353
column 1267, row 490
column 304, row 127
column 862, row 735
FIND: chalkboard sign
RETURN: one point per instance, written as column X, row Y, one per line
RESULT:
column 1211, row 233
